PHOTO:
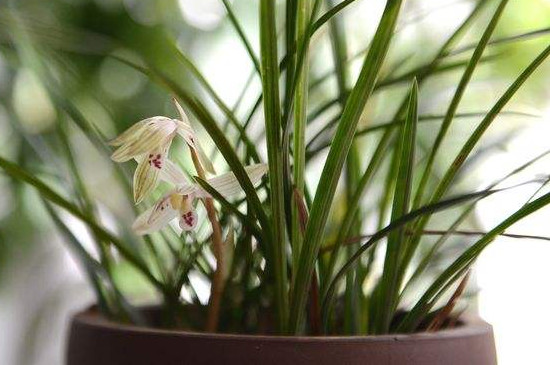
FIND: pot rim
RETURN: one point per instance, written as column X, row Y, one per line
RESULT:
column 471, row 326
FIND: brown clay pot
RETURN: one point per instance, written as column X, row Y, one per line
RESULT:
column 93, row 340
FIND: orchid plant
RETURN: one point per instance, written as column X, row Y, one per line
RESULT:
column 148, row 142
column 283, row 252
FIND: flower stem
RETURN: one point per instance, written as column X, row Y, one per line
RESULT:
column 216, row 291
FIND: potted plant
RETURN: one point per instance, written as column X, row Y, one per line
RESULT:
column 299, row 271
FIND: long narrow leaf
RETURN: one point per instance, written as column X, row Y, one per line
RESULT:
column 312, row 149
column 466, row 213
column 336, row 157
column 415, row 316
column 382, row 146
column 459, row 93
column 404, row 220
column 272, row 113
column 472, row 141
column 249, row 223
column 330, row 14
column 299, row 135
column 242, row 36
column 389, row 283
column 47, row 193
column 220, row 103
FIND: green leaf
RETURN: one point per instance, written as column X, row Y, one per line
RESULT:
column 380, row 150
column 352, row 166
column 81, row 190
column 432, row 66
column 291, row 43
column 242, row 36
column 312, row 149
column 510, row 39
column 219, row 102
column 451, row 274
column 299, row 135
column 459, row 93
column 376, row 160
column 47, row 193
column 245, row 220
column 294, row 75
column 466, row 213
column 295, row 78
column 95, row 271
column 472, row 141
column 393, row 271
column 272, row 113
column 330, row 14
column 31, row 56
column 335, row 160
column 394, row 225
column 91, row 266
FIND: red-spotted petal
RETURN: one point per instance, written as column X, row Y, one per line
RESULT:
column 157, row 216
column 148, row 171
column 188, row 219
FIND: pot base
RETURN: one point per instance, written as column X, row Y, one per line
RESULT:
column 93, row 340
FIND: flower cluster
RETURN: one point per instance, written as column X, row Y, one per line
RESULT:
column 148, row 143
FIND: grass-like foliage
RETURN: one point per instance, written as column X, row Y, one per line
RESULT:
column 282, row 253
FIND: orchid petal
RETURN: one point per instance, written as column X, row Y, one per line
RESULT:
column 181, row 112
column 157, row 131
column 205, row 160
column 228, row 185
column 188, row 189
column 157, row 216
column 188, row 216
column 172, row 174
column 129, row 134
column 191, row 140
column 147, row 173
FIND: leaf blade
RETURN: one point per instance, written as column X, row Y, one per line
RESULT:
column 393, row 271
column 338, row 152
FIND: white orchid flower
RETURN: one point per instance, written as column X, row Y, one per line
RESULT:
column 148, row 142
column 180, row 202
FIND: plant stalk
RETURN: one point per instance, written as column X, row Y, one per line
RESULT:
column 218, row 284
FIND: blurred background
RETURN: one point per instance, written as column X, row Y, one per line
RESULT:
column 41, row 285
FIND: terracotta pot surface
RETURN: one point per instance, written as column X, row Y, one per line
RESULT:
column 93, row 340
